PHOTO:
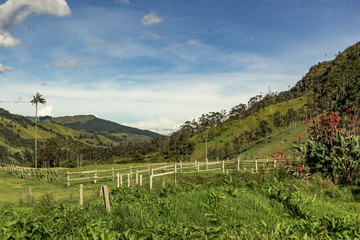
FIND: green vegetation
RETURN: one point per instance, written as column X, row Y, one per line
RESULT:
column 245, row 138
column 94, row 124
column 266, row 205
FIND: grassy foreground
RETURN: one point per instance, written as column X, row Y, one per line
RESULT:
column 266, row 205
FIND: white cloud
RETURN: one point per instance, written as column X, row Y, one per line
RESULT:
column 193, row 41
column 5, row 68
column 46, row 111
column 150, row 35
column 151, row 19
column 14, row 12
column 122, row 1
column 73, row 63
column 162, row 125
column 6, row 40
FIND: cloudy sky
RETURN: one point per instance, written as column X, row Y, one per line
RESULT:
column 155, row 64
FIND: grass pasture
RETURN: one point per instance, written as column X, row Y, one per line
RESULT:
column 206, row 205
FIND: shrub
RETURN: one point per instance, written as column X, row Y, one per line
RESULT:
column 333, row 147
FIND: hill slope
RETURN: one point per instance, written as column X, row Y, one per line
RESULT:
column 17, row 136
column 330, row 85
column 94, row 124
column 244, row 138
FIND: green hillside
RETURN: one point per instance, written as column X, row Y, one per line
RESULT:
column 281, row 137
column 17, row 135
column 330, row 85
column 94, row 124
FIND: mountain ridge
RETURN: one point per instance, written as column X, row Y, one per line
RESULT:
column 92, row 123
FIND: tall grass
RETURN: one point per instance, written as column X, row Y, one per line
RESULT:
column 266, row 205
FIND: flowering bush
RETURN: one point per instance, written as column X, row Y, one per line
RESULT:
column 333, row 146
column 288, row 165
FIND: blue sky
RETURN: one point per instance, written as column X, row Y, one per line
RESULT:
column 155, row 64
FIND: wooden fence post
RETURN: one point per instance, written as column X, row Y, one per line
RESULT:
column 163, row 182
column 274, row 163
column 223, row 166
column 106, row 197
column 267, row 161
column 128, row 180
column 80, row 194
column 117, row 180
column 175, row 175
column 151, row 182
column 238, row 164
column 130, row 170
column 137, row 177
column 121, row 180
column 141, row 181
column 256, row 165
column 181, row 166
column 95, row 176
column 207, row 163
column 113, row 174
column 198, row 166
column 68, row 178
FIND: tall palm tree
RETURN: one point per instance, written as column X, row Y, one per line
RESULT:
column 37, row 99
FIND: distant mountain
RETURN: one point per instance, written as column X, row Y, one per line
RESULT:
column 69, row 135
column 94, row 124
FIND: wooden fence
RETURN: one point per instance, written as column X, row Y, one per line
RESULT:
column 32, row 173
column 136, row 174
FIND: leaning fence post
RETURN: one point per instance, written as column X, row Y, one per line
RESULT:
column 68, row 178
column 80, row 194
column 106, row 197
